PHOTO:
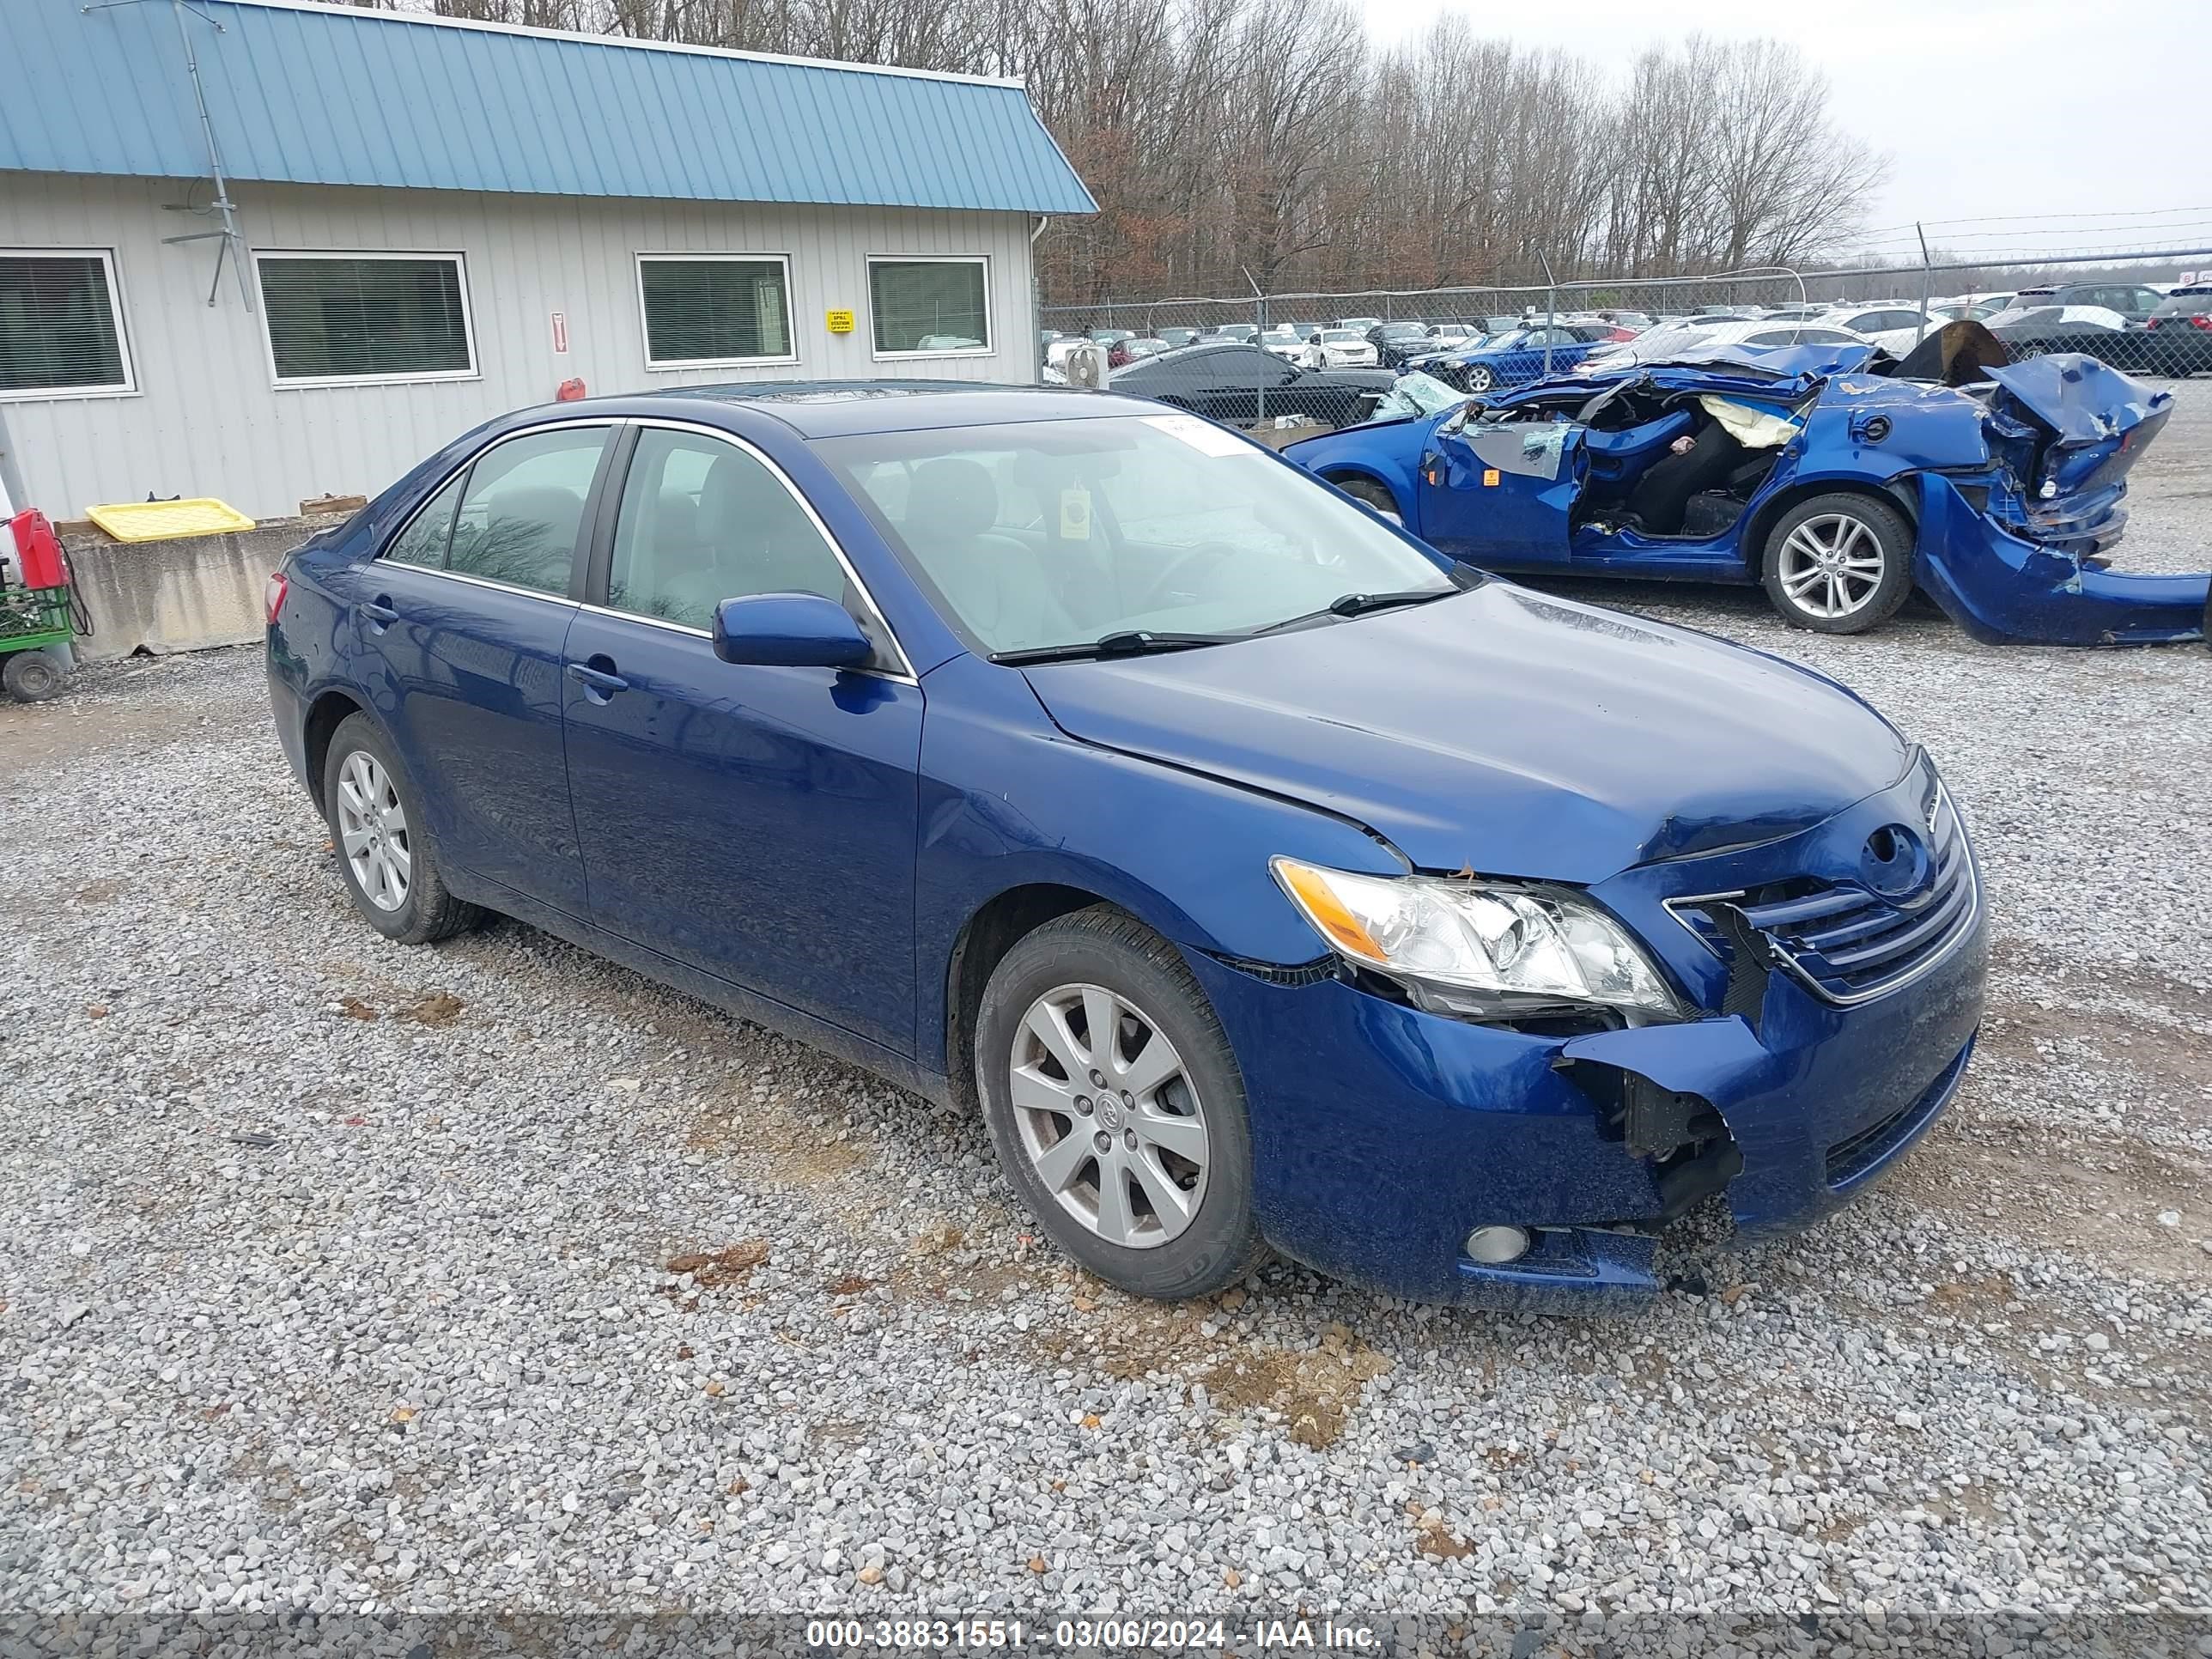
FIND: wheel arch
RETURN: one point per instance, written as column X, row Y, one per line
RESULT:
column 1899, row 491
column 994, row 928
column 329, row 710
column 1338, row 473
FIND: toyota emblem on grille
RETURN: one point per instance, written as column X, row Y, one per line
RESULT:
column 1894, row 863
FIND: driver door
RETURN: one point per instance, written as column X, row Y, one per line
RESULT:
column 1499, row 494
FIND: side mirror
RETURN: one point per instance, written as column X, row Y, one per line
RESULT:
column 789, row 630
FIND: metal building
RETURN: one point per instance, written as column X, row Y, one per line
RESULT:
column 268, row 250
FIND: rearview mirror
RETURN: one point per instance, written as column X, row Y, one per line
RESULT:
column 789, row 630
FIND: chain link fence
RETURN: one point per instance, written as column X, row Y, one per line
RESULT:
column 1483, row 338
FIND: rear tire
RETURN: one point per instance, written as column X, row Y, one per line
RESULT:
column 1143, row 1175
column 1373, row 495
column 31, row 676
column 383, row 845
column 1839, row 563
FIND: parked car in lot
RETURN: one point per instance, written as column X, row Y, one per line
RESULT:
column 1240, row 333
column 2184, row 308
column 2134, row 302
column 1516, row 356
column 1347, row 348
column 1666, row 344
column 1818, row 471
column 1241, row 384
column 1177, row 336
column 1123, row 353
column 1398, row 342
column 1288, row 340
column 1259, row 874
column 2106, row 335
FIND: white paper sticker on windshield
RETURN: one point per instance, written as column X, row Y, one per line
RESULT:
column 1075, row 514
column 1203, row 436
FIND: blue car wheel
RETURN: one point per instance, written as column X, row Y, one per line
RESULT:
column 1839, row 563
column 1477, row 377
column 384, row 852
column 1117, row 1107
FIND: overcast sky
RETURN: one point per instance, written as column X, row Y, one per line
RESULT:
column 1984, row 106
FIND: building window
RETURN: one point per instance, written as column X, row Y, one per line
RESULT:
column 930, row 307
column 61, row 325
column 702, row 310
column 334, row 319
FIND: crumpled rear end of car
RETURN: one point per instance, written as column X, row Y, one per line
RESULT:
column 2016, row 554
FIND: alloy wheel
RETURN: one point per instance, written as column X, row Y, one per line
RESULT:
column 1478, row 378
column 1830, row 566
column 1109, row 1116
column 373, row 831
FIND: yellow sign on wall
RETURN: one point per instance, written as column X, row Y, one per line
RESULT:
column 840, row 322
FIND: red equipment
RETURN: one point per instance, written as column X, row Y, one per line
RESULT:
column 37, row 550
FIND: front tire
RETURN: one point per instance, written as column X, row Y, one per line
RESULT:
column 384, row 851
column 1116, row 1106
column 1372, row 495
column 1478, row 378
column 30, row 676
column 1839, row 563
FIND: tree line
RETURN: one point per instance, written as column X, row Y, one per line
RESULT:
column 1233, row 144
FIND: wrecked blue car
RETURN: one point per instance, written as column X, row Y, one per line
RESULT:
column 1835, row 475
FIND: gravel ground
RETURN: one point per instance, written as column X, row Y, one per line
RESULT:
column 340, row 1276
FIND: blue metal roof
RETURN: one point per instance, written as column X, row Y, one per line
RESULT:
column 303, row 93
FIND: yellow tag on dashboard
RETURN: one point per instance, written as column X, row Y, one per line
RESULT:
column 1075, row 514
column 1490, row 477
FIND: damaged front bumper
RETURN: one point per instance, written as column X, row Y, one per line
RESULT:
column 2008, row 589
column 1383, row 1135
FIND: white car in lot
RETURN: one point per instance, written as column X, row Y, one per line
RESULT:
column 1288, row 340
column 1659, row 344
column 1347, row 348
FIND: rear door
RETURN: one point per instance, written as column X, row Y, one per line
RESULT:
column 754, row 823
column 462, row 622
column 1500, row 494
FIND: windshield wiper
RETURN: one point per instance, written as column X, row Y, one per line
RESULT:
column 1354, row 605
column 1130, row 642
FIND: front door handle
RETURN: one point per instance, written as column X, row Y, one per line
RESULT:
column 598, row 684
column 378, row 614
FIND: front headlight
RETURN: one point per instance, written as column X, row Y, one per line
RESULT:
column 1484, row 949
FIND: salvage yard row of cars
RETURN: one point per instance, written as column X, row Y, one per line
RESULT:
column 2131, row 326
column 1267, row 871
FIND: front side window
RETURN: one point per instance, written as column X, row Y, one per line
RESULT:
column 522, row 509
column 929, row 307
column 702, row 521
column 358, row 316
column 1062, row 533
column 701, row 311
column 61, row 329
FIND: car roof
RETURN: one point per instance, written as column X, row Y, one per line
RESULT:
column 832, row 409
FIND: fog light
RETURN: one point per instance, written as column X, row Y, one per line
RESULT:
column 1495, row 1246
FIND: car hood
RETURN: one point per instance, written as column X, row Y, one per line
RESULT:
column 1502, row 731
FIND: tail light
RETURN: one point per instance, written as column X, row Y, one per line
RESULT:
column 2201, row 321
column 272, row 594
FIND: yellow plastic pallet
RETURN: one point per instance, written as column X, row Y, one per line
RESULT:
column 162, row 521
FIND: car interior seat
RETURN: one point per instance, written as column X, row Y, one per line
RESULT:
column 995, row 580
column 1618, row 458
column 745, row 536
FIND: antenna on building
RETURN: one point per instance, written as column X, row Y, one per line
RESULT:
column 228, row 239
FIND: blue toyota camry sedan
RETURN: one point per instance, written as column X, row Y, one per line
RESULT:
column 1264, row 878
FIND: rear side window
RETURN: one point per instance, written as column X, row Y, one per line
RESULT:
column 702, row 521
column 522, row 509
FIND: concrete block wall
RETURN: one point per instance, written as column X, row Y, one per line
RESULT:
column 181, row 595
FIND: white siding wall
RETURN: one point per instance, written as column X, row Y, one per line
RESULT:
column 207, row 420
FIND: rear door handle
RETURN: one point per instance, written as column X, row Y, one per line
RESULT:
column 378, row 614
column 598, row 684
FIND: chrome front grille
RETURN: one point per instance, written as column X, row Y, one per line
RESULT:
column 1842, row 939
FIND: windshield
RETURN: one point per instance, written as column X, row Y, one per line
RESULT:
column 1340, row 336
column 1062, row 533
